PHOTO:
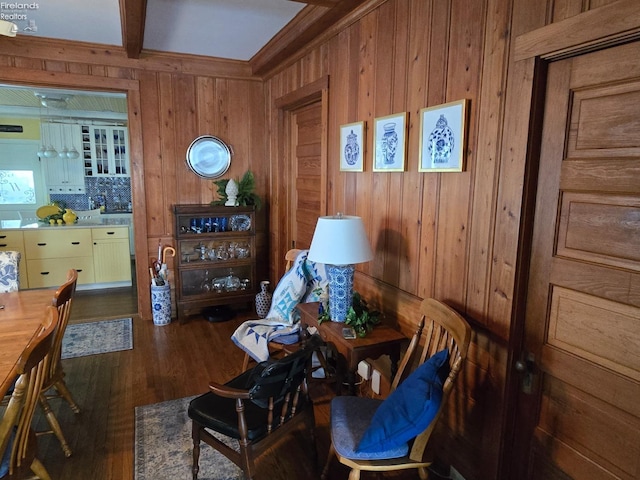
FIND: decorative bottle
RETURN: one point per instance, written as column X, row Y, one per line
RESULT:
column 263, row 299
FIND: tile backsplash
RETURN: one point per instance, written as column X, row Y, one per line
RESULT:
column 116, row 191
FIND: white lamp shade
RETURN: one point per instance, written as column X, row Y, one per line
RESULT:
column 8, row 29
column 340, row 240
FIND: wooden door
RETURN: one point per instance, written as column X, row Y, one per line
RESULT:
column 581, row 419
column 306, row 168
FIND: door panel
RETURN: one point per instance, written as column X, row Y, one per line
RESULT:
column 582, row 322
column 307, row 170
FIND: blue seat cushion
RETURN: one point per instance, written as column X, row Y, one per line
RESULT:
column 350, row 418
column 409, row 409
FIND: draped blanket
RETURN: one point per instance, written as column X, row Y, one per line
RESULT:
column 305, row 281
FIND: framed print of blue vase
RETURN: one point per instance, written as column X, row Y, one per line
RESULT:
column 352, row 150
column 441, row 142
column 443, row 132
column 352, row 147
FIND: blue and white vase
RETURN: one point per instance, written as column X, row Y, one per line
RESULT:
column 389, row 143
column 351, row 149
column 441, row 142
column 263, row 300
column 340, row 290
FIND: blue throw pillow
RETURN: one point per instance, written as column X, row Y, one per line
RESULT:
column 409, row 409
column 6, row 457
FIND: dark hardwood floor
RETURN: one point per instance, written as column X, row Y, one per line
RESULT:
column 167, row 362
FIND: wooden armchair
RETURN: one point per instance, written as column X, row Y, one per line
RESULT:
column 277, row 350
column 258, row 408
column 374, row 435
column 16, row 435
column 54, row 379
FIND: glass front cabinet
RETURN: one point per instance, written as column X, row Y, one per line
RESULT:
column 105, row 151
column 216, row 257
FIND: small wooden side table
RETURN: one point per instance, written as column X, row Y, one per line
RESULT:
column 381, row 340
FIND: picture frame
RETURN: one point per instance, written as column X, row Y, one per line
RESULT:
column 443, row 137
column 352, row 147
column 390, row 143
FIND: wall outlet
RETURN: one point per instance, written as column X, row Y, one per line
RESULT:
column 364, row 369
column 454, row 474
column 375, row 382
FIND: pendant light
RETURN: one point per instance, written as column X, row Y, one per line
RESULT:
column 63, row 142
column 72, row 153
column 50, row 152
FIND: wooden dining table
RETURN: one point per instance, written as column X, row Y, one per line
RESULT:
column 21, row 313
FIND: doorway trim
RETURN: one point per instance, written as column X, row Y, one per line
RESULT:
column 593, row 30
column 281, row 175
column 39, row 78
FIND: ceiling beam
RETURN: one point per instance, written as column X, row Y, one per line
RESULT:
column 310, row 22
column 321, row 3
column 133, row 14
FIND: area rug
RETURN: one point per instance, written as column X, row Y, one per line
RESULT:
column 92, row 338
column 164, row 447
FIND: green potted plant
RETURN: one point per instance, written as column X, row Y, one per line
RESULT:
column 360, row 317
column 246, row 191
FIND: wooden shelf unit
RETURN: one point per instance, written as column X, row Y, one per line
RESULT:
column 218, row 254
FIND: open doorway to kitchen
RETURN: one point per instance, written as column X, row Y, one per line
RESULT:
column 69, row 147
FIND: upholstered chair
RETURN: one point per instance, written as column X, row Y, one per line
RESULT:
column 9, row 273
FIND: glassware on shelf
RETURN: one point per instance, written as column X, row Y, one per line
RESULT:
column 232, row 282
column 205, row 286
column 202, row 250
column 219, row 284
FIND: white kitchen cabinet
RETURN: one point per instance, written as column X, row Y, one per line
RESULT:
column 105, row 151
column 63, row 175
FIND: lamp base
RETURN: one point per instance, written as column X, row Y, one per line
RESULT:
column 340, row 290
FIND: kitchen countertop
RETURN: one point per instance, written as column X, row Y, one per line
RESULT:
column 86, row 223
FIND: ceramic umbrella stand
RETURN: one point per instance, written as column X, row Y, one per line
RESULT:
column 161, row 304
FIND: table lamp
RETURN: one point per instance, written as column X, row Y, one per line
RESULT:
column 340, row 242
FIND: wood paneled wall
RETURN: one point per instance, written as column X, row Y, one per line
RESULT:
column 172, row 100
column 454, row 236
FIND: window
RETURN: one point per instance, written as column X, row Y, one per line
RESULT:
column 17, row 187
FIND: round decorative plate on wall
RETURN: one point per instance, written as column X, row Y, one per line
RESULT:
column 208, row 157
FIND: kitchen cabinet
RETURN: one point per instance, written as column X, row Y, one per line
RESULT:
column 13, row 240
column 63, row 174
column 105, row 151
column 217, row 257
column 52, row 252
column 111, row 259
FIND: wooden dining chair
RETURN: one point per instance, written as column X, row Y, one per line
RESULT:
column 17, row 439
column 54, row 385
column 258, row 408
column 375, row 435
column 326, row 371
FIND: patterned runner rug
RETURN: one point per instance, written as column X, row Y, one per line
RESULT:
column 91, row 338
column 164, row 447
